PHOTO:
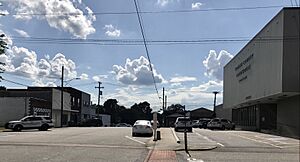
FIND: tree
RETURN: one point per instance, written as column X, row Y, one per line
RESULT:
column 175, row 108
column 111, row 107
column 3, row 47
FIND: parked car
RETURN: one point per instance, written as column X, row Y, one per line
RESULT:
column 219, row 123
column 94, row 122
column 195, row 123
column 183, row 123
column 42, row 123
column 203, row 122
column 123, row 125
column 142, row 127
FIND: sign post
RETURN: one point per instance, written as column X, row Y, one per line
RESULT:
column 155, row 125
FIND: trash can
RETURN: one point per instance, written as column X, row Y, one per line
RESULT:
column 158, row 135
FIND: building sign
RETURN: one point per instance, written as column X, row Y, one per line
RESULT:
column 243, row 67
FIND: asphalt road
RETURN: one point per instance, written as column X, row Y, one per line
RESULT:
column 73, row 144
column 243, row 146
column 116, row 144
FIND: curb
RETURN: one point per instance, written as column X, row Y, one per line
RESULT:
column 198, row 149
column 175, row 136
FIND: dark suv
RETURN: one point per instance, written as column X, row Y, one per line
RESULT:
column 94, row 122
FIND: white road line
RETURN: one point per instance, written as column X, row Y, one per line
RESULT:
column 135, row 140
column 210, row 140
column 220, row 144
column 257, row 140
column 194, row 160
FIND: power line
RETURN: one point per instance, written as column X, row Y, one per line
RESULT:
column 1, row 78
column 148, row 12
column 145, row 45
column 152, row 42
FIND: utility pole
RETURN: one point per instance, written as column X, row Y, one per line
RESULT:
column 185, row 132
column 62, row 96
column 99, row 94
column 215, row 98
column 166, row 102
column 163, row 106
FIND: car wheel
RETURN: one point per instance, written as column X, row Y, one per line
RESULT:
column 133, row 134
column 18, row 128
column 44, row 127
column 223, row 127
column 176, row 130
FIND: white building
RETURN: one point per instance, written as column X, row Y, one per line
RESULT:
column 261, row 83
column 17, row 103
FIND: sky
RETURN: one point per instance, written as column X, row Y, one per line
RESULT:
column 188, row 43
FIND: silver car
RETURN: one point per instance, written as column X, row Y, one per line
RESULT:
column 219, row 123
column 142, row 127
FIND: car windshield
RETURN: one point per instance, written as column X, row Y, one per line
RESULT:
column 142, row 122
column 183, row 119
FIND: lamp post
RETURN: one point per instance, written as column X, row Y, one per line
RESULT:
column 62, row 94
column 215, row 98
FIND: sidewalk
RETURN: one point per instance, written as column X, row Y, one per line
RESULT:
column 169, row 142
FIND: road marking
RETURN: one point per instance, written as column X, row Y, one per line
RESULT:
column 210, row 140
column 257, row 141
column 220, row 144
column 194, row 160
column 67, row 145
column 135, row 140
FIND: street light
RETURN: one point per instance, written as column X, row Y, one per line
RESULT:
column 68, row 81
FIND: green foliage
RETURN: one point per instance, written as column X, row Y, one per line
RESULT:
column 121, row 114
column 3, row 47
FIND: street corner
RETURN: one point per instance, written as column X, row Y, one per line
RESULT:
column 197, row 142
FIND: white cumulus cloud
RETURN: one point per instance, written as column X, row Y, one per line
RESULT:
column 24, row 62
column 60, row 14
column 99, row 78
column 209, row 86
column 22, row 33
column 214, row 63
column 112, row 31
column 84, row 76
column 182, row 79
column 196, row 5
column 136, row 72
column 3, row 12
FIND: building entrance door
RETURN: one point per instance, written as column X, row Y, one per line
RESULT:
column 268, row 116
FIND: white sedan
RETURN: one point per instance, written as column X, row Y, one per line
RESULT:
column 142, row 127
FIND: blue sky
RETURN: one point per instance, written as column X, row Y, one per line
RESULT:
column 189, row 72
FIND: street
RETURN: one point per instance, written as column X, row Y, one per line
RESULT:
column 72, row 144
column 117, row 144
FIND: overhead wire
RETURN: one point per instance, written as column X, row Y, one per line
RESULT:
column 150, row 42
column 148, row 12
column 145, row 45
column 14, row 82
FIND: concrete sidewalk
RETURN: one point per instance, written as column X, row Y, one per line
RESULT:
column 169, row 138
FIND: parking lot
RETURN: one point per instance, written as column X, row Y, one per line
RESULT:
column 117, row 144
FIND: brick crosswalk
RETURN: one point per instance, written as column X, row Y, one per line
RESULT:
column 162, row 156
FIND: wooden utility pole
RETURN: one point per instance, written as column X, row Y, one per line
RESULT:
column 99, row 94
